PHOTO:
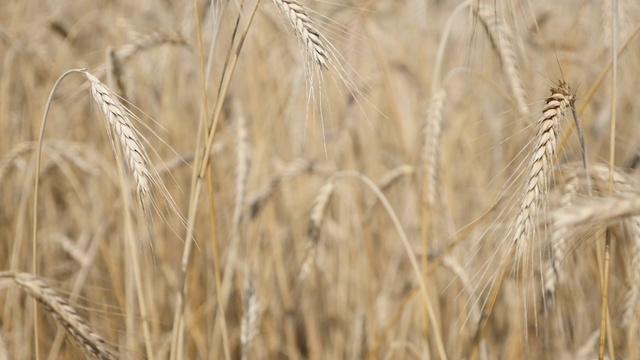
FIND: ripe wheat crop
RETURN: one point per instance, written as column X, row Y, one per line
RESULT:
column 298, row 179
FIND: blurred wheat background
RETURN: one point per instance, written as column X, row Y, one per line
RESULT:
column 310, row 179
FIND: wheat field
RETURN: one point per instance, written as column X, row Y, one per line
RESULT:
column 306, row 179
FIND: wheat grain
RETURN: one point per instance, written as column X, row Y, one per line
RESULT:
column 92, row 343
column 308, row 34
column 540, row 164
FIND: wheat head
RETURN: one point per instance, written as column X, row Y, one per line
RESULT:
column 540, row 164
column 126, row 134
column 92, row 343
column 307, row 33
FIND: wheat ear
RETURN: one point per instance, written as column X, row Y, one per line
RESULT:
column 118, row 120
column 92, row 343
column 315, row 223
column 250, row 318
column 540, row 164
column 431, row 147
column 503, row 41
column 308, row 34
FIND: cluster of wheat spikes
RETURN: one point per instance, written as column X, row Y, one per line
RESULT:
column 426, row 215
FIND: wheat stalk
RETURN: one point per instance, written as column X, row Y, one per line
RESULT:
column 308, row 34
column 79, row 330
column 540, row 164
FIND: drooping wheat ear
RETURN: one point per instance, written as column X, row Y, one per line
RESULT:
column 503, row 42
column 144, row 42
column 597, row 211
column 92, row 344
column 120, row 124
column 540, row 165
column 250, row 318
column 9, row 159
column 314, row 43
column 596, row 181
column 147, row 41
column 71, row 151
column 431, row 146
column 258, row 198
column 315, row 224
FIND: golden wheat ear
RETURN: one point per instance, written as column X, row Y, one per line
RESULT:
column 540, row 165
column 307, row 33
column 127, row 136
column 503, row 41
column 92, row 344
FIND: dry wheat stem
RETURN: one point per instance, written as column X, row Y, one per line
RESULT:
column 306, row 31
column 540, row 165
column 199, row 174
column 78, row 329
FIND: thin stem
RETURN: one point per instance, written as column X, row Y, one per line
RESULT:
column 612, row 156
column 178, row 326
column 35, row 200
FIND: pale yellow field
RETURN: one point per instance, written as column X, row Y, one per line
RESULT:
column 382, row 180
